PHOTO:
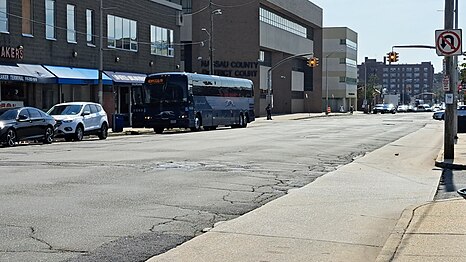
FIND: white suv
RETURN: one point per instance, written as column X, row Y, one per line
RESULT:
column 76, row 119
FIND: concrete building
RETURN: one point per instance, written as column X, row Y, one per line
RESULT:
column 410, row 81
column 339, row 62
column 50, row 49
column 249, row 39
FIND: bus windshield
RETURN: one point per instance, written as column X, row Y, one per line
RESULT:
column 165, row 88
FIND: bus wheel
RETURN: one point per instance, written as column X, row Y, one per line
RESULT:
column 158, row 130
column 244, row 121
column 197, row 124
column 241, row 120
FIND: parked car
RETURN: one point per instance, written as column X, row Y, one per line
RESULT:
column 25, row 123
column 384, row 108
column 440, row 115
column 77, row 119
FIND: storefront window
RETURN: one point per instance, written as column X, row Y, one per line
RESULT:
column 12, row 91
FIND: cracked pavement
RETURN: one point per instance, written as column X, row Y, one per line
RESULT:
column 129, row 198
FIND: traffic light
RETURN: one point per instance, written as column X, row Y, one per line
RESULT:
column 313, row 62
column 392, row 57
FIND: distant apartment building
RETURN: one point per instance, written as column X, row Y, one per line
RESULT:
column 410, row 81
column 339, row 66
column 251, row 38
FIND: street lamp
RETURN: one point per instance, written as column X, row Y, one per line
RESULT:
column 326, row 79
column 210, row 51
column 211, row 39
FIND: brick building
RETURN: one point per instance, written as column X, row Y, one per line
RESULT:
column 410, row 81
column 49, row 49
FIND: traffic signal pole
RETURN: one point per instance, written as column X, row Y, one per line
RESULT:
column 449, row 133
column 269, row 99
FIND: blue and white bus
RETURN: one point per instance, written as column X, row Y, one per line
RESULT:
column 194, row 101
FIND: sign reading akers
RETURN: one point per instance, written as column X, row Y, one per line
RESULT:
column 11, row 52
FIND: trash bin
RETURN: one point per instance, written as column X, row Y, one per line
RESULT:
column 461, row 124
column 118, row 122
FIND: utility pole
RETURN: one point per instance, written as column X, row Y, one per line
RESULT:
column 100, row 91
column 449, row 135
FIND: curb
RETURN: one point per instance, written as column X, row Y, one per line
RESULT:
column 394, row 240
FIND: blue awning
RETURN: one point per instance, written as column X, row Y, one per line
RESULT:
column 26, row 73
column 126, row 78
column 77, row 76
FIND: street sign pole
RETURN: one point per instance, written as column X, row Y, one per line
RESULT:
column 449, row 134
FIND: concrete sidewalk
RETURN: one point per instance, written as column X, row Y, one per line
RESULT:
column 436, row 230
column 346, row 215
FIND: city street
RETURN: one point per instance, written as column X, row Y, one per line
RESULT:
column 131, row 197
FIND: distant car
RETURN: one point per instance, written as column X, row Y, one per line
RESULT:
column 77, row 119
column 402, row 108
column 384, row 108
column 423, row 108
column 25, row 123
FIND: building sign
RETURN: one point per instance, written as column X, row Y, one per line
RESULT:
column 7, row 104
column 11, row 52
column 232, row 68
column 128, row 78
column 18, row 78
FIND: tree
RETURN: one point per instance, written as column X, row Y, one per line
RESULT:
column 371, row 91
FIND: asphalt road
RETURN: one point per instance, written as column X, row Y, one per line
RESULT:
column 131, row 197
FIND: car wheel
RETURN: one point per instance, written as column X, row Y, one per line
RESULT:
column 48, row 137
column 79, row 134
column 103, row 134
column 10, row 138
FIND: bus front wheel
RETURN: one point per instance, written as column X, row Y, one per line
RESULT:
column 158, row 130
column 197, row 124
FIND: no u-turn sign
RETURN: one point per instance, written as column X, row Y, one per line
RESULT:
column 448, row 42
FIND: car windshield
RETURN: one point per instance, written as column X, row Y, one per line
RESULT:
column 8, row 114
column 65, row 110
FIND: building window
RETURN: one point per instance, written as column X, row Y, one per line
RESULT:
column 187, row 6
column 70, row 24
column 3, row 16
column 90, row 27
column 50, row 19
column 27, row 17
column 161, row 41
column 278, row 21
column 122, row 33
column 350, row 44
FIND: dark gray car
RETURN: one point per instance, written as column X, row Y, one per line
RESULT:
column 25, row 123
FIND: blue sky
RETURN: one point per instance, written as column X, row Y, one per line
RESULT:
column 381, row 24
